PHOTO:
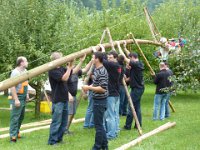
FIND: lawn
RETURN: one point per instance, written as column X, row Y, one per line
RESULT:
column 184, row 136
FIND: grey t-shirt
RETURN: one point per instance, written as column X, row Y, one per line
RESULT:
column 19, row 87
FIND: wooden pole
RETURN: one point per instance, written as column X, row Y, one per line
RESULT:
column 150, row 24
column 53, row 64
column 156, row 31
column 144, row 136
column 110, row 38
column 171, row 106
column 144, row 57
column 127, row 93
column 39, row 128
column 33, row 124
column 103, row 36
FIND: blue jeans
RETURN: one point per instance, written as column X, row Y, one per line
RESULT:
column 100, row 136
column 59, row 122
column 123, row 101
column 89, row 117
column 72, row 107
column 159, row 103
column 167, row 111
column 136, row 94
column 112, row 117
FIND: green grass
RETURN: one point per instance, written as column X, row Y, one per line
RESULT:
column 184, row 136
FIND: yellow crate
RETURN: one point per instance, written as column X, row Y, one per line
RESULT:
column 44, row 107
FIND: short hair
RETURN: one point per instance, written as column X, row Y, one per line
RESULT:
column 166, row 63
column 114, row 53
column 56, row 55
column 99, row 55
column 20, row 59
column 162, row 65
column 135, row 55
column 121, row 59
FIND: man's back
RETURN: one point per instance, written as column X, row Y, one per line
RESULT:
column 136, row 74
column 114, row 71
column 162, row 81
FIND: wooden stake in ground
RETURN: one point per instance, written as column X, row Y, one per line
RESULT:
column 171, row 106
column 144, row 136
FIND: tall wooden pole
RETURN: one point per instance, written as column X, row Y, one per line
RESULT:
column 53, row 64
column 154, row 30
column 144, row 57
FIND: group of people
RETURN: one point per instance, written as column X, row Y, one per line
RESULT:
column 106, row 95
column 106, row 91
column 170, row 46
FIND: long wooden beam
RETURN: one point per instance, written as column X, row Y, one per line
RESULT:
column 39, row 128
column 144, row 136
column 53, row 64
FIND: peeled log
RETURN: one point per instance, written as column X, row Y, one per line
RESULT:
column 27, row 125
column 53, row 64
column 144, row 136
column 39, row 128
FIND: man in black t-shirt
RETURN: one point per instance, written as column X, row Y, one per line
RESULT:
column 57, row 79
column 137, row 88
column 112, row 112
column 99, row 90
column 162, row 83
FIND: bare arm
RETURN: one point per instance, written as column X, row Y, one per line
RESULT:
column 122, row 53
column 15, row 97
column 97, row 89
column 125, row 49
column 65, row 77
column 87, row 67
column 78, row 67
